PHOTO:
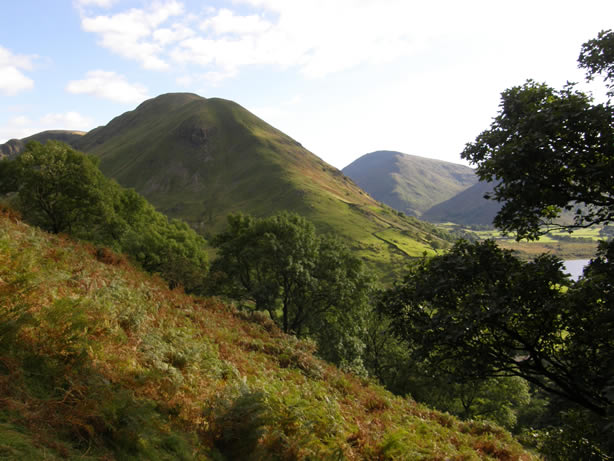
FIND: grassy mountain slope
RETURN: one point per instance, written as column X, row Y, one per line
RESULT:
column 100, row 361
column 467, row 208
column 200, row 159
column 409, row 183
column 15, row 146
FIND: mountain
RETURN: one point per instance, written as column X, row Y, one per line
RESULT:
column 15, row 146
column 467, row 208
column 100, row 361
column 200, row 159
column 409, row 183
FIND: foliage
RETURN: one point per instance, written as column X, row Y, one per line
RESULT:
column 572, row 438
column 62, row 190
column 238, row 423
column 160, row 245
column 543, row 149
column 310, row 285
column 552, row 151
column 496, row 399
column 391, row 360
column 479, row 312
column 597, row 57
column 58, row 188
column 108, row 363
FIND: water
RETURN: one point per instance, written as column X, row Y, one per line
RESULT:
column 574, row 267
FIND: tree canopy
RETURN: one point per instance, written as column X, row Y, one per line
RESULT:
column 310, row 285
column 597, row 57
column 59, row 188
column 480, row 312
column 551, row 151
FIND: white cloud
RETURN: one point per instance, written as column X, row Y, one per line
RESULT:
column 185, row 80
column 320, row 37
column 99, row 3
column 108, row 85
column 12, row 79
column 20, row 126
column 317, row 37
column 226, row 22
column 131, row 34
column 165, row 36
column 66, row 121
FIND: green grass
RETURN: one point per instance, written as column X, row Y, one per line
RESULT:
column 100, row 361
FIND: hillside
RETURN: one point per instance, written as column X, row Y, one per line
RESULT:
column 467, row 208
column 200, row 159
column 409, row 183
column 100, row 361
column 15, row 146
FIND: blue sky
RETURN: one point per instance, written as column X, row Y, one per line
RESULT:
column 343, row 77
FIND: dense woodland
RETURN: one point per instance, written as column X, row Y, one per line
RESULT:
column 473, row 331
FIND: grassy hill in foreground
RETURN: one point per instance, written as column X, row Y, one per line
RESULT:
column 200, row 159
column 409, row 183
column 100, row 361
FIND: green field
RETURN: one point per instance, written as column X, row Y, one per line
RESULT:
column 581, row 244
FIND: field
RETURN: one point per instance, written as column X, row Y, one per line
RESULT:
column 581, row 244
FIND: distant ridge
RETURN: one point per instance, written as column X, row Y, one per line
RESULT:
column 15, row 146
column 467, row 208
column 409, row 183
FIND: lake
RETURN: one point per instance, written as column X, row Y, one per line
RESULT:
column 574, row 267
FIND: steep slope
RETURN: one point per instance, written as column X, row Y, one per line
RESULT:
column 99, row 361
column 467, row 208
column 200, row 159
column 15, row 146
column 409, row 183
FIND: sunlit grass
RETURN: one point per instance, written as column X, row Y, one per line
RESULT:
column 581, row 244
column 107, row 363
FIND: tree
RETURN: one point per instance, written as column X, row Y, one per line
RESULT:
column 268, row 262
column 479, row 312
column 58, row 188
column 551, row 151
column 543, row 150
column 597, row 57
column 311, row 285
column 62, row 190
column 160, row 245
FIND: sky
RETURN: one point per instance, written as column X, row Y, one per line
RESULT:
column 342, row 77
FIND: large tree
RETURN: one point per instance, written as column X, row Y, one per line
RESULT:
column 551, row 151
column 282, row 266
column 480, row 312
column 58, row 188
column 310, row 285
